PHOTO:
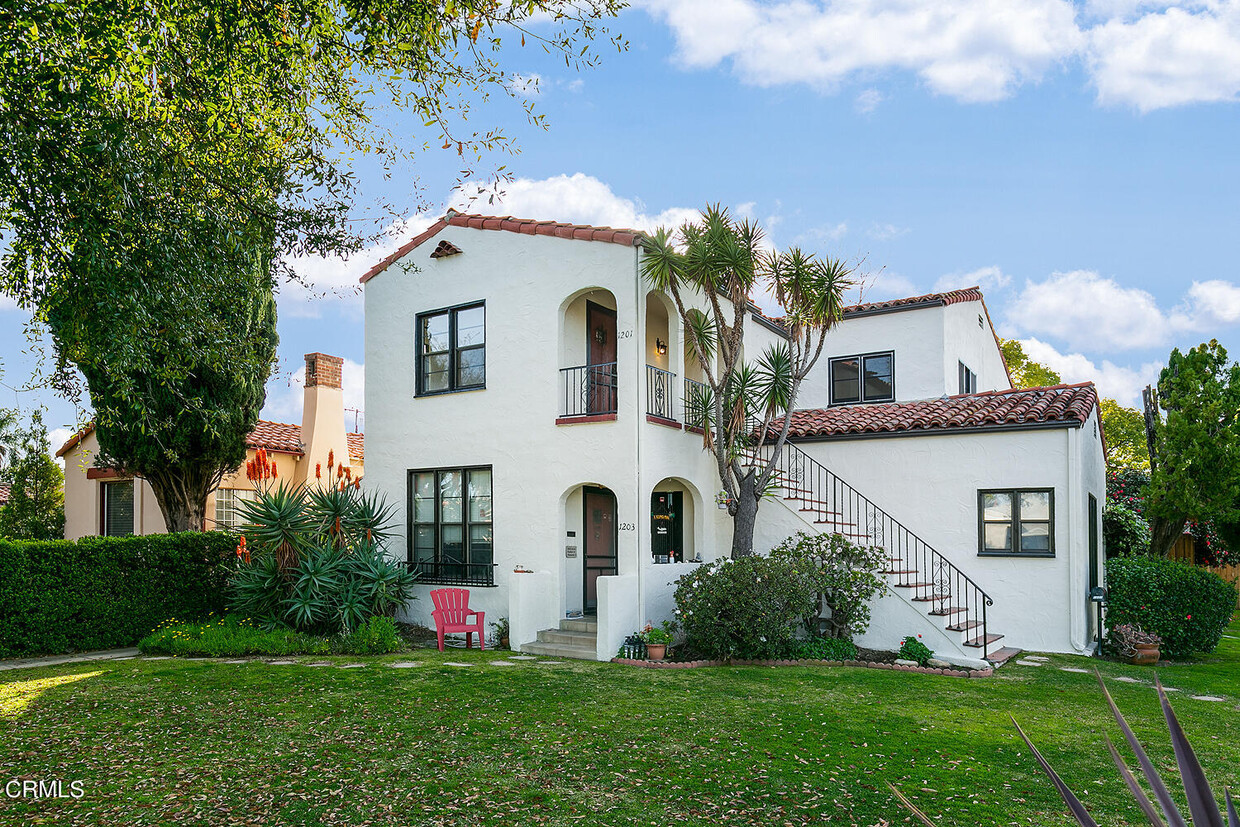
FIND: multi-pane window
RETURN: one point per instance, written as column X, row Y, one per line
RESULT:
column 968, row 379
column 227, row 507
column 867, row 378
column 1018, row 521
column 117, row 508
column 452, row 349
column 451, row 540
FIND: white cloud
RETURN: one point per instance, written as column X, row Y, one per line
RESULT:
column 1168, row 57
column 824, row 233
column 527, row 86
column 1087, row 311
column 973, row 50
column 334, row 280
column 7, row 303
column 885, row 232
column 577, row 198
column 1123, row 384
column 990, row 279
column 868, row 100
column 1207, row 305
column 56, row 438
column 286, row 392
column 1142, row 53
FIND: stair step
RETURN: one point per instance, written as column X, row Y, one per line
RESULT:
column 911, row 585
column 931, row 598
column 579, row 625
column 900, row 571
column 978, row 642
column 568, row 638
column 964, row 627
column 1002, row 656
column 555, row 650
column 944, row 611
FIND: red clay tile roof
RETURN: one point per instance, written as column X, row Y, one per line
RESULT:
column 1064, row 405
column 4, row 493
column 524, row 226
column 274, row 436
column 965, row 294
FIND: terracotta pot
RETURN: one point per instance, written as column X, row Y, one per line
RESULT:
column 503, row 643
column 656, row 651
column 1147, row 653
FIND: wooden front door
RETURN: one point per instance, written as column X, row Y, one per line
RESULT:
column 599, row 558
column 601, row 359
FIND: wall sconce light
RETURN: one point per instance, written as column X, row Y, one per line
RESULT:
column 660, row 346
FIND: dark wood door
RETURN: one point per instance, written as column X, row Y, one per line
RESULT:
column 599, row 558
column 1093, row 542
column 601, row 359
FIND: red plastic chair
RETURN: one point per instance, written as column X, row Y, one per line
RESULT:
column 451, row 613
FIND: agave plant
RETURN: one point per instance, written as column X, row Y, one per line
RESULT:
column 1202, row 805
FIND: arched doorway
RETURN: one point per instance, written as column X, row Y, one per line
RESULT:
column 590, row 518
column 673, row 528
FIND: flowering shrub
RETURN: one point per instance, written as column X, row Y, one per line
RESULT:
column 1210, row 546
column 1128, row 488
column 754, row 607
column 848, row 576
column 1125, row 531
column 1186, row 606
column 911, row 648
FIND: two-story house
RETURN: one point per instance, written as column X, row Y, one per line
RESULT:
column 528, row 396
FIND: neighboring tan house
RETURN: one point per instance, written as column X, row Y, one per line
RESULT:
column 527, row 401
column 99, row 501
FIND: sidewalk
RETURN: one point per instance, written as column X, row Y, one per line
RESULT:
column 80, row 657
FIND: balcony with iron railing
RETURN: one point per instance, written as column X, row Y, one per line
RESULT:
column 589, row 393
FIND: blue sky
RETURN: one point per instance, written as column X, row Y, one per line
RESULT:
column 1079, row 161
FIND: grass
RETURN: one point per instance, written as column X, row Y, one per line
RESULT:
column 228, row 637
column 175, row 742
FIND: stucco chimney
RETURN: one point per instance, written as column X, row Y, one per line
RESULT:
column 322, row 417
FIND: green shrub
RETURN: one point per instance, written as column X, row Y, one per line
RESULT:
column 1125, row 531
column 848, row 576
column 102, row 592
column 824, row 648
column 911, row 648
column 377, row 636
column 748, row 608
column 1186, row 606
column 228, row 637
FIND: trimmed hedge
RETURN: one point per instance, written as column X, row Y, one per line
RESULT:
column 101, row 592
column 1186, row 606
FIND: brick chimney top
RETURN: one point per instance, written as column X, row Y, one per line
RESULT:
column 323, row 370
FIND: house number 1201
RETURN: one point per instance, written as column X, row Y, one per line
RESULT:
column 628, row 527
column 624, row 334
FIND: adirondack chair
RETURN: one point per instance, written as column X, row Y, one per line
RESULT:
column 452, row 613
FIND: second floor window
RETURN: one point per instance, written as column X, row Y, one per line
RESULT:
column 452, row 349
column 866, row 378
column 968, row 379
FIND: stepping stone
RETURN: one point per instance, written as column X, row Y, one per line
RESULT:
column 158, row 657
column 127, row 657
column 522, row 657
column 318, row 663
column 1170, row 689
column 1207, row 698
column 1126, row 679
column 1073, row 669
column 281, row 662
column 1036, row 657
column 405, row 664
column 352, row 666
column 499, row 663
column 551, row 662
column 454, row 663
column 1028, row 663
column 236, row 661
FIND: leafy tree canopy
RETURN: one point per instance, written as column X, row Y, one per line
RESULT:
column 1025, row 372
column 36, row 506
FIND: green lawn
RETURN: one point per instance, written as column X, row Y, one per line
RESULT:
column 203, row 742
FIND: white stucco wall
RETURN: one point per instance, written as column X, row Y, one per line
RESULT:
column 969, row 338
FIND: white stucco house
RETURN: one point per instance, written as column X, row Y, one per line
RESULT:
column 526, row 399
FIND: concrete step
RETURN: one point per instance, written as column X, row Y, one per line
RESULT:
column 579, row 625
column 584, row 640
column 557, row 650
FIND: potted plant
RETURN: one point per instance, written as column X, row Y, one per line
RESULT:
column 722, row 499
column 656, row 640
column 1136, row 644
column 501, row 632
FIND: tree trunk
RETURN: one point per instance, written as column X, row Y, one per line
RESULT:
column 1163, row 534
column 182, row 498
column 745, row 517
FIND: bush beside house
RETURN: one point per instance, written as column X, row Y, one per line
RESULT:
column 99, row 592
column 1186, row 606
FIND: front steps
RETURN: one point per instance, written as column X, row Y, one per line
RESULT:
column 576, row 639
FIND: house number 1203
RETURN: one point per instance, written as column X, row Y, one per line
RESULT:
column 628, row 527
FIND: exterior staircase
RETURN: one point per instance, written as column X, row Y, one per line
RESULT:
column 574, row 639
column 916, row 572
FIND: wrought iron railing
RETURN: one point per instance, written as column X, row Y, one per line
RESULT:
column 588, row 389
column 660, row 391
column 836, row 507
column 448, row 573
column 694, row 402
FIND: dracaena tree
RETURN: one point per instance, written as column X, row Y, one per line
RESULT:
column 711, row 268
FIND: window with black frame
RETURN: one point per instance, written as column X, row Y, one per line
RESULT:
column 968, row 379
column 865, row 378
column 118, row 512
column 452, row 349
column 1017, row 522
column 450, row 518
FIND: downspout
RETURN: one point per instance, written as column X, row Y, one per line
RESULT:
column 639, row 336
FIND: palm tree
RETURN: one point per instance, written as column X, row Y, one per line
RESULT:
column 720, row 263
